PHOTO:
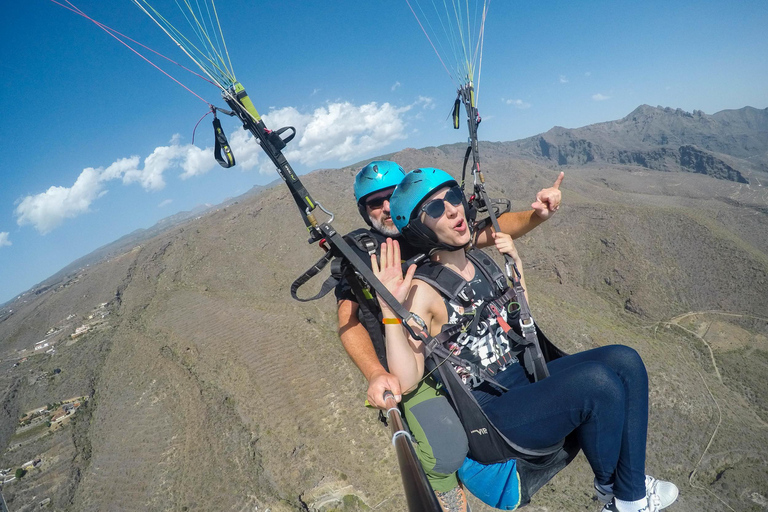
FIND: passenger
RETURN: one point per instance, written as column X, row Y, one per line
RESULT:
column 600, row 395
column 441, row 441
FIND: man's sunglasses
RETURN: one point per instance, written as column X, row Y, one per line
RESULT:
column 377, row 202
column 436, row 207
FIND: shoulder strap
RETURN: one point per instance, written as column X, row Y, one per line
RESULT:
column 489, row 268
column 444, row 280
column 364, row 239
column 450, row 284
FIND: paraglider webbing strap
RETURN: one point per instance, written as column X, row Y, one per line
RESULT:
column 441, row 354
column 337, row 242
column 464, row 168
column 222, row 144
column 300, row 195
column 327, row 286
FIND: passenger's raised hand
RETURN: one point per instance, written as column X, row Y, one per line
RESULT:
column 388, row 269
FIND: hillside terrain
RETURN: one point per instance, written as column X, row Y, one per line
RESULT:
column 209, row 388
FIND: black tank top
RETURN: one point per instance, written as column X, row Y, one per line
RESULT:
column 488, row 342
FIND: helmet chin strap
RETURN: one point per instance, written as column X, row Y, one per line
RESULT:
column 364, row 213
column 424, row 239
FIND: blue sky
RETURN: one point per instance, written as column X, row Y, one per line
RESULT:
column 82, row 113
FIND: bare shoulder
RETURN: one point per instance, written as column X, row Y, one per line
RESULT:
column 422, row 291
column 428, row 304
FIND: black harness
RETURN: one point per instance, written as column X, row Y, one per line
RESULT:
column 365, row 243
column 486, row 443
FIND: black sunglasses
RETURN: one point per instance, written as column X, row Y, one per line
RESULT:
column 436, row 207
column 377, row 202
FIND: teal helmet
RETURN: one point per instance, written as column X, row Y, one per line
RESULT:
column 377, row 175
column 405, row 205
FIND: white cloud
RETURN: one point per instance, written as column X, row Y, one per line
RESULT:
column 396, row 85
column 196, row 161
column 48, row 210
column 336, row 131
column 4, row 239
column 517, row 103
column 563, row 79
column 600, row 97
column 245, row 149
column 426, row 102
column 191, row 159
column 165, row 203
column 315, row 91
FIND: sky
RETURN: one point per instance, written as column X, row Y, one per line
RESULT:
column 97, row 143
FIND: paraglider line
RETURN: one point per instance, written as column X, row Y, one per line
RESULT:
column 187, row 48
column 428, row 39
column 107, row 30
column 110, row 29
column 211, row 109
column 481, row 43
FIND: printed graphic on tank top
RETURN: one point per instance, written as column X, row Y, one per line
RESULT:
column 488, row 343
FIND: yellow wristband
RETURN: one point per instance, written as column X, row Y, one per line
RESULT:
column 391, row 321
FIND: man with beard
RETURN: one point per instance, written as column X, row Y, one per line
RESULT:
column 441, row 441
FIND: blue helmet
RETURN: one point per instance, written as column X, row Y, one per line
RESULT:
column 409, row 195
column 377, row 175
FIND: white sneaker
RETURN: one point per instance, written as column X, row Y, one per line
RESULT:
column 660, row 494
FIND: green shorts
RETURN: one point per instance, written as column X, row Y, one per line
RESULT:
column 440, row 440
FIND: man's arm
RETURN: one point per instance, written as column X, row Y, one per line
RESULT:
column 357, row 342
column 517, row 224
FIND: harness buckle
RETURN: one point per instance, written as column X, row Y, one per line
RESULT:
column 416, row 319
column 475, row 380
column 527, row 325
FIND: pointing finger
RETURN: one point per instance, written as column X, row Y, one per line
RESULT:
column 559, row 180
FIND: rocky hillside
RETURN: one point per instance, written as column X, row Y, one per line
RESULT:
column 210, row 389
column 726, row 145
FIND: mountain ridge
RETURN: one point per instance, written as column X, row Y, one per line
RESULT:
column 663, row 139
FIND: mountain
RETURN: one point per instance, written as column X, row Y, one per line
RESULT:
column 209, row 388
column 727, row 145
column 133, row 239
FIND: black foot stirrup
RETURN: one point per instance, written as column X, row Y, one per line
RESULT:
column 222, row 144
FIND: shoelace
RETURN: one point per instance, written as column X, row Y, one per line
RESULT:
column 654, row 500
